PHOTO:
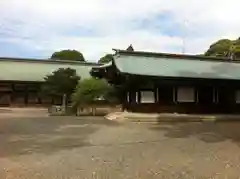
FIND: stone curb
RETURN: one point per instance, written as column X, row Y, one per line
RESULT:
column 137, row 117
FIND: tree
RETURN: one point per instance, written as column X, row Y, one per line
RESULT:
column 225, row 48
column 72, row 55
column 61, row 82
column 91, row 90
column 105, row 59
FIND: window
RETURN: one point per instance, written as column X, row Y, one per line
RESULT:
column 185, row 94
column 237, row 96
column 147, row 97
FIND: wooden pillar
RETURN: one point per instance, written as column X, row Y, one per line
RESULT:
column 174, row 89
column 215, row 95
column 196, row 95
column 139, row 96
column 26, row 94
column 156, row 95
column 214, row 100
column 12, row 95
column 124, row 100
column 133, row 98
column 39, row 99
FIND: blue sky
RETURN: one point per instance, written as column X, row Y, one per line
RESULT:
column 35, row 29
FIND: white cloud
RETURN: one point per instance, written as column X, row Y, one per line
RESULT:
column 39, row 25
column 97, row 46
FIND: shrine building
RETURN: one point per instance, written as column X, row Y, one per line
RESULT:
column 21, row 79
column 162, row 82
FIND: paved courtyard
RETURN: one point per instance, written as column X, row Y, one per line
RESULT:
column 71, row 148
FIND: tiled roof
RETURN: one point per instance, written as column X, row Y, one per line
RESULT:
column 171, row 55
column 171, row 65
column 36, row 70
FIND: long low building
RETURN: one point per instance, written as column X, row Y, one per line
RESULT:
column 21, row 79
column 160, row 82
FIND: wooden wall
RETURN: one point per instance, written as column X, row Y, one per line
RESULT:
column 208, row 99
column 24, row 94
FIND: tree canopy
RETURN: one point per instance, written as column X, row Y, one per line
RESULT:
column 91, row 90
column 105, row 59
column 225, row 48
column 72, row 55
column 60, row 82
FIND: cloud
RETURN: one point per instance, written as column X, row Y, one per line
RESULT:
column 96, row 26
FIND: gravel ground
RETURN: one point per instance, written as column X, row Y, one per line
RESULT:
column 93, row 148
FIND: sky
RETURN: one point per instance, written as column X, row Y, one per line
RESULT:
column 37, row 28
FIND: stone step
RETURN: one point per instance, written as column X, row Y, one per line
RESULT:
column 170, row 117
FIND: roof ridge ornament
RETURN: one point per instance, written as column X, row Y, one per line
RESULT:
column 130, row 48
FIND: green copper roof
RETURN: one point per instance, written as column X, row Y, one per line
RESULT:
column 36, row 70
column 169, row 55
column 176, row 66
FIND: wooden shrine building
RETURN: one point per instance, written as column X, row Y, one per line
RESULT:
column 160, row 82
column 21, row 79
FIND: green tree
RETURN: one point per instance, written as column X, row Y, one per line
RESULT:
column 225, row 48
column 61, row 82
column 91, row 90
column 236, row 48
column 105, row 59
column 72, row 55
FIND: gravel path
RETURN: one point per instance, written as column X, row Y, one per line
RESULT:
column 71, row 148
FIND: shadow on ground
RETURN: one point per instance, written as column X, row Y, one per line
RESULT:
column 47, row 135
column 210, row 132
